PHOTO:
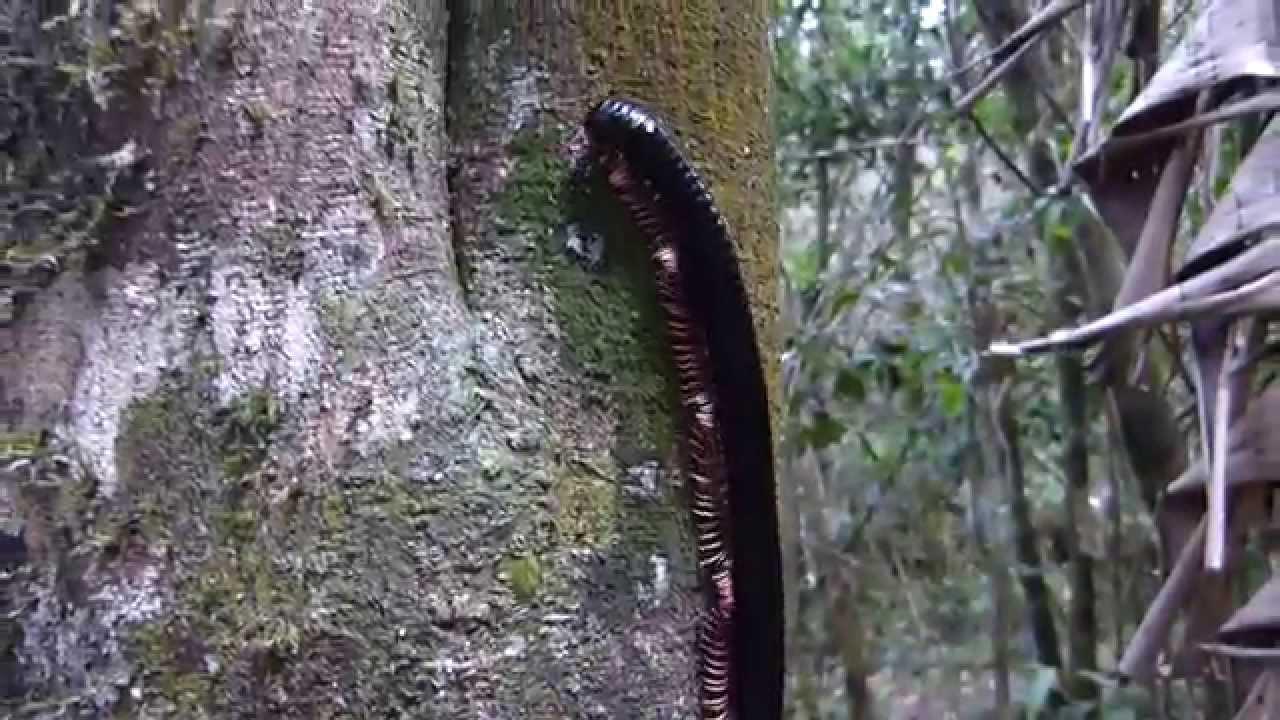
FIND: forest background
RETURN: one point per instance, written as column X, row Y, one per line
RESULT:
column 1027, row 536
column 316, row 399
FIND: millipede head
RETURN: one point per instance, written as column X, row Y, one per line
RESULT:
column 614, row 122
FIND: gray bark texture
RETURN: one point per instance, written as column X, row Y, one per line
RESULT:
column 313, row 401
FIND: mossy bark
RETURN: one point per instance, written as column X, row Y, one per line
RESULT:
column 704, row 66
column 322, row 414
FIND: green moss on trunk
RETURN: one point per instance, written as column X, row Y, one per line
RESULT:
column 610, row 317
column 703, row 65
column 283, row 584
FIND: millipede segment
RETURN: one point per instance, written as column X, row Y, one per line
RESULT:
column 725, row 410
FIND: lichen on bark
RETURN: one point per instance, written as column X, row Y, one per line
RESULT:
column 248, row 482
column 266, row 455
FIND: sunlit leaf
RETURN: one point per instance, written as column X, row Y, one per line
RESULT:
column 802, row 268
column 956, row 264
column 951, row 395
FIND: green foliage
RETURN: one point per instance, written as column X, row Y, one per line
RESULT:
column 849, row 70
column 802, row 266
column 887, row 427
column 995, row 113
column 952, row 395
column 821, row 431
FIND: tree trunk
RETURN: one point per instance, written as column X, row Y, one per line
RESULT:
column 984, row 456
column 1064, row 277
column 327, row 411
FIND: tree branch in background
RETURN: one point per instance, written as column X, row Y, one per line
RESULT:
column 1139, row 661
column 1036, row 24
column 849, row 150
column 1003, row 157
column 1020, row 39
column 991, row 79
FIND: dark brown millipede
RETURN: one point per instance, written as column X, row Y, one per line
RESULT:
column 726, row 428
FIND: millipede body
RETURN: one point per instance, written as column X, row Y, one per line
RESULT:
column 726, row 428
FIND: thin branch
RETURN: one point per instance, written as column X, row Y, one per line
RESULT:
column 840, row 153
column 1034, row 25
column 1055, row 107
column 1004, row 158
column 984, row 86
column 1241, row 652
column 1139, row 658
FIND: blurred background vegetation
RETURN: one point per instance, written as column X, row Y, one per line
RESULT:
column 980, row 538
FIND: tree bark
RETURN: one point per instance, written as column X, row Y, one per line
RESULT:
column 327, row 413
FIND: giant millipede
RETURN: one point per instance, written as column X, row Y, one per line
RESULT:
column 726, row 429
